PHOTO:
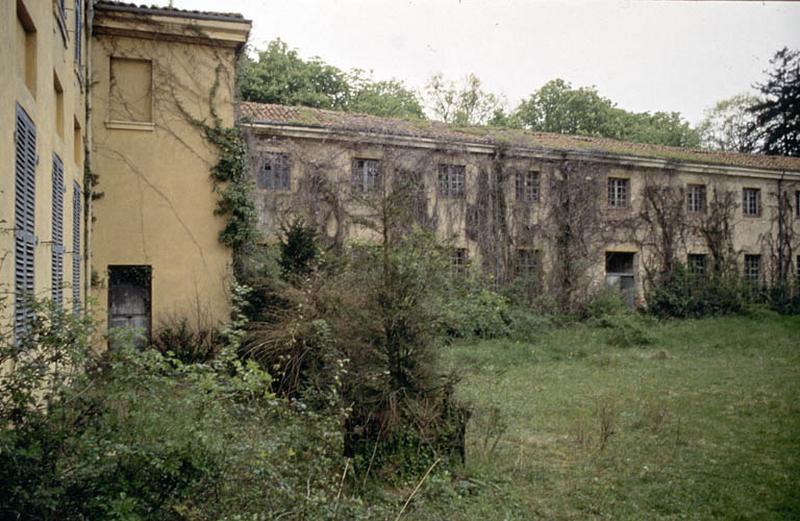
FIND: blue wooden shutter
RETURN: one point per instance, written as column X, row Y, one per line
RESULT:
column 76, row 248
column 57, row 258
column 78, row 29
column 24, row 219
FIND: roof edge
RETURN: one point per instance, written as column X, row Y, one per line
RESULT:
column 165, row 11
column 696, row 167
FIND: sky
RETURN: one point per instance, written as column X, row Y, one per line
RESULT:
column 645, row 55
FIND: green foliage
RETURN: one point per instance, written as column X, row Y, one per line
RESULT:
column 464, row 104
column 188, row 341
column 726, row 126
column 138, row 435
column 685, row 295
column 390, row 99
column 777, row 115
column 558, row 107
column 479, row 313
column 233, row 183
column 299, row 249
column 281, row 76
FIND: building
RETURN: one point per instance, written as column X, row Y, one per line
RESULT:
column 105, row 183
column 575, row 213
column 42, row 151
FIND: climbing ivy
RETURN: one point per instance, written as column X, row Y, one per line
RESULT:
column 233, row 183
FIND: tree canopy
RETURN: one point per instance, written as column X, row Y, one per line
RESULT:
column 726, row 126
column 777, row 116
column 279, row 75
column 558, row 107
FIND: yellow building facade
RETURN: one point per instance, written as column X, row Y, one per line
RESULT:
column 122, row 93
column 43, row 117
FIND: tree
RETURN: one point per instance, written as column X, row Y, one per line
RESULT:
column 726, row 126
column 281, row 76
column 777, row 116
column 462, row 104
column 558, row 107
column 390, row 98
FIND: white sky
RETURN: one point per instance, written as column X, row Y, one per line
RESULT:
column 645, row 55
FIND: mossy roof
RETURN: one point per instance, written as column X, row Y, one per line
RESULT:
column 344, row 121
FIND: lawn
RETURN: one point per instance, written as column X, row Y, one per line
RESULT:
column 703, row 423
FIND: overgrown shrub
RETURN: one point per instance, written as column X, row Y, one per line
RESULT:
column 685, row 294
column 477, row 312
column 137, row 435
column 187, row 340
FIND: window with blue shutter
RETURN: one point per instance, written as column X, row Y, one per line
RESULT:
column 78, row 30
column 24, row 219
column 76, row 248
column 57, row 257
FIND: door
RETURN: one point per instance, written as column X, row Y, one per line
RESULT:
column 129, row 303
column 620, row 275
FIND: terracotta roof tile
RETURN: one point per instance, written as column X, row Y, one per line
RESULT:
column 344, row 121
column 114, row 5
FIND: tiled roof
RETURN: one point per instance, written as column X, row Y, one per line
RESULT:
column 112, row 5
column 344, row 121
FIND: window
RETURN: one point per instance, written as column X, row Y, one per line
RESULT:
column 751, row 202
column 451, row 180
column 620, row 274
column 24, row 219
column 528, row 187
column 696, row 263
column 366, row 176
column 78, row 31
column 61, row 19
column 696, row 198
column 26, row 45
column 752, row 269
column 76, row 248
column 131, row 90
column 77, row 142
column 58, row 90
column 527, row 263
column 459, row 261
column 412, row 185
column 57, row 255
column 618, row 192
column 797, row 204
column 273, row 173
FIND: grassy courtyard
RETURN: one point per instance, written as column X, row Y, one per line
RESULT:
column 702, row 423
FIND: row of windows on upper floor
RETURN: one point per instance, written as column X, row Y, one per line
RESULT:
column 274, row 174
column 28, row 42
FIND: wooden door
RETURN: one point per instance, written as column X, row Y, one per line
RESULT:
column 129, row 303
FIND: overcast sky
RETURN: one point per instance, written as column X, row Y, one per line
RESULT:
column 645, row 55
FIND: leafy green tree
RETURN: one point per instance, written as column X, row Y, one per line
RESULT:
column 726, row 126
column 279, row 75
column 463, row 104
column 389, row 98
column 558, row 107
column 777, row 116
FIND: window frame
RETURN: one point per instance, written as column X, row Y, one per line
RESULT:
column 746, row 202
column 366, row 176
column 696, row 194
column 692, row 265
column 614, row 185
column 25, row 240
column 279, row 178
column 451, row 180
column 752, row 277
column 528, row 186
column 459, row 260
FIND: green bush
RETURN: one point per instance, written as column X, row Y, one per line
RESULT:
column 478, row 313
column 686, row 295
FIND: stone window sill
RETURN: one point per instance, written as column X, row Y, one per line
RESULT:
column 131, row 125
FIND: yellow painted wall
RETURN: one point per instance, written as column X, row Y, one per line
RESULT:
column 53, row 58
column 157, row 204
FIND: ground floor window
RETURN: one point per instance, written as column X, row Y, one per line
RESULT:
column 620, row 274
